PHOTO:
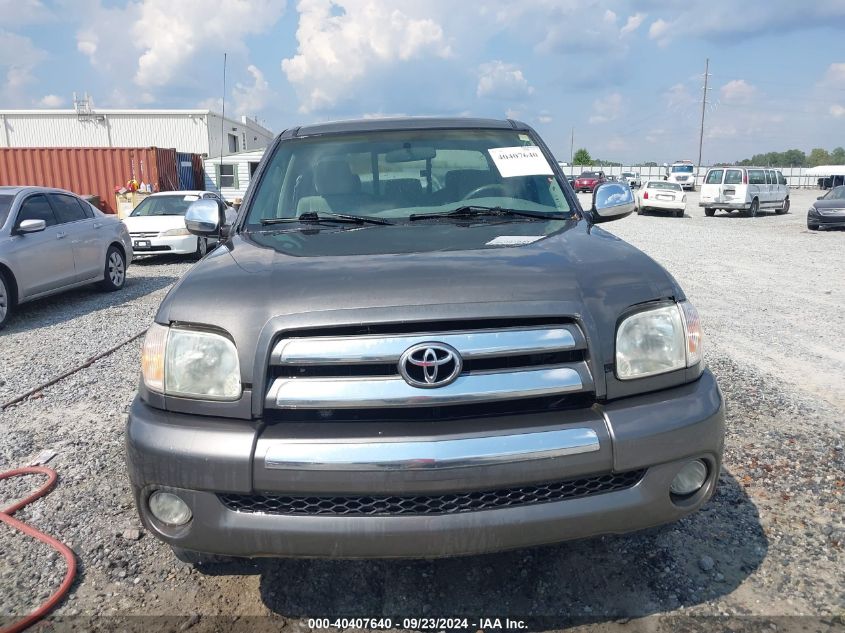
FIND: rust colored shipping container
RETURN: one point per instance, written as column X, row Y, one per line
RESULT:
column 89, row 170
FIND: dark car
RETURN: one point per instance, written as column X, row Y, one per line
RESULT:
column 589, row 180
column 828, row 211
column 414, row 342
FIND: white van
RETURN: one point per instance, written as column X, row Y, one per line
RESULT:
column 749, row 189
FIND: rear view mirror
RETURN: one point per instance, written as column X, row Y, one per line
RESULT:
column 409, row 154
column 31, row 226
column 612, row 201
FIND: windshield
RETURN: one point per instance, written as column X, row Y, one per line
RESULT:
column 662, row 184
column 393, row 175
column 837, row 193
column 589, row 174
column 5, row 205
column 681, row 169
column 164, row 205
column 627, row 174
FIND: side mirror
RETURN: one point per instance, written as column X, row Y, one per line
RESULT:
column 205, row 217
column 31, row 226
column 612, row 201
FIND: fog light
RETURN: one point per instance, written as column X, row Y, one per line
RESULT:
column 691, row 477
column 169, row 508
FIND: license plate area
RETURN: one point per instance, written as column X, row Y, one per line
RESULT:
column 142, row 244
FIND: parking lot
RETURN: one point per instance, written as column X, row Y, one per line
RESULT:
column 771, row 296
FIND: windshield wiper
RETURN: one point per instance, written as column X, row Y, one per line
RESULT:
column 327, row 216
column 473, row 211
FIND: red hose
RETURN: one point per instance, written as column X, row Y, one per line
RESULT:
column 64, row 550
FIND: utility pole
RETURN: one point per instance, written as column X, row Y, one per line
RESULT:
column 703, row 106
column 572, row 152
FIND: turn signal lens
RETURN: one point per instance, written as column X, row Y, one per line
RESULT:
column 152, row 357
column 692, row 330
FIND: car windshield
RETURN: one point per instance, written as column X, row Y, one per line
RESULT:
column 627, row 174
column 392, row 175
column 5, row 205
column 662, row 184
column 837, row 193
column 589, row 174
column 681, row 169
column 164, row 205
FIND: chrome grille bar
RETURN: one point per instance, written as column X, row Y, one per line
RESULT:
column 368, row 392
column 429, row 454
column 357, row 350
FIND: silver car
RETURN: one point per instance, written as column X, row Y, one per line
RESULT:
column 52, row 240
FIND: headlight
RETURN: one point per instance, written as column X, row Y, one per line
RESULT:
column 657, row 341
column 174, row 233
column 190, row 363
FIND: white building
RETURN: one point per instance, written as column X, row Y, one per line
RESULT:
column 195, row 131
column 230, row 176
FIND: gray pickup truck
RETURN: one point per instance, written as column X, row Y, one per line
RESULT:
column 413, row 342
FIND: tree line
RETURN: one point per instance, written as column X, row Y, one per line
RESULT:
column 797, row 158
column 789, row 158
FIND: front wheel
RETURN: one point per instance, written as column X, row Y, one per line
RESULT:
column 115, row 270
column 202, row 247
column 709, row 212
column 784, row 208
column 5, row 300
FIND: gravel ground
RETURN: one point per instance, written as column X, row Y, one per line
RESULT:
column 769, row 544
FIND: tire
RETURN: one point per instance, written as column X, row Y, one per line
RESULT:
column 679, row 214
column 6, row 300
column 639, row 210
column 709, row 212
column 202, row 247
column 784, row 208
column 753, row 210
column 114, row 270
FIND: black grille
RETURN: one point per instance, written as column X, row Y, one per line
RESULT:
column 453, row 503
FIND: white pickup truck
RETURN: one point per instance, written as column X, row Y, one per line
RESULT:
column 747, row 189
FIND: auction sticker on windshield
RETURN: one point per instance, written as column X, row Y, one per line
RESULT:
column 520, row 161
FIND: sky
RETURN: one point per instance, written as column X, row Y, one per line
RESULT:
column 625, row 76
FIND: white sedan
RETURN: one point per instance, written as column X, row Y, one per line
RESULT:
column 660, row 195
column 157, row 225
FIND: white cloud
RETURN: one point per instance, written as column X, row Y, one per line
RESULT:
column 18, row 59
column 678, row 96
column 660, row 30
column 737, row 91
column 499, row 80
column 606, row 109
column 633, row 23
column 154, row 42
column 834, row 77
column 250, row 99
column 51, row 101
column 837, row 111
column 545, row 118
column 339, row 42
column 19, row 12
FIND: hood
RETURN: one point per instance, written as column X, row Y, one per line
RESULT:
column 258, row 283
column 149, row 223
column 829, row 204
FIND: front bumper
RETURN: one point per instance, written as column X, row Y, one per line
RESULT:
column 201, row 458
column 828, row 220
column 179, row 245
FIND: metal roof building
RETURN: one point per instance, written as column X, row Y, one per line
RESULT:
column 194, row 131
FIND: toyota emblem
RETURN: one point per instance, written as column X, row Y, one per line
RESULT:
column 429, row 365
